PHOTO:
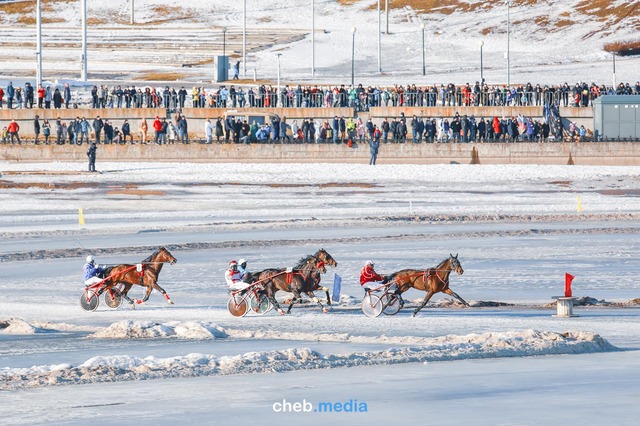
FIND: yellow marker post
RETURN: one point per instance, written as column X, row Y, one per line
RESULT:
column 579, row 204
column 80, row 217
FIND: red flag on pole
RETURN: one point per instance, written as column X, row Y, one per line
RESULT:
column 568, row 278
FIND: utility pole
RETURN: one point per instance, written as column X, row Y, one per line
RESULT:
column 133, row 18
column 244, row 38
column 379, row 41
column 84, row 74
column 508, row 42
column 38, row 43
column 313, row 37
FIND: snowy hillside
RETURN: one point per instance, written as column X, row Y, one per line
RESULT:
column 550, row 41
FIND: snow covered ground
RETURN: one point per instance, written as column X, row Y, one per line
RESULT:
column 516, row 229
column 550, row 41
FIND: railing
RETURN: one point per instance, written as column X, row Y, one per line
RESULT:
column 359, row 99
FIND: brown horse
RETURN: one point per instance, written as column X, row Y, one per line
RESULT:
column 303, row 278
column 129, row 275
column 432, row 280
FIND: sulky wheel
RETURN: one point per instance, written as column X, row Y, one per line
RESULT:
column 391, row 304
column 113, row 298
column 263, row 306
column 237, row 306
column 371, row 305
column 89, row 300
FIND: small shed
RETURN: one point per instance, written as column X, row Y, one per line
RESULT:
column 617, row 117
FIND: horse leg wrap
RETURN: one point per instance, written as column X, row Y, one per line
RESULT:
column 166, row 296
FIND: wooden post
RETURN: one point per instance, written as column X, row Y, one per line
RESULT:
column 564, row 307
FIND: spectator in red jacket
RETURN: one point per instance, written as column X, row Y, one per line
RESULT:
column 13, row 129
column 40, row 96
column 157, row 126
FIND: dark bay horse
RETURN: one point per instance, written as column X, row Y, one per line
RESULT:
column 128, row 275
column 303, row 278
column 432, row 280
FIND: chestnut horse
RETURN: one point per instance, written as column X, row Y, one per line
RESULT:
column 432, row 280
column 303, row 278
column 148, row 277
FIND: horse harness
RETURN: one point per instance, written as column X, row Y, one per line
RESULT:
column 289, row 276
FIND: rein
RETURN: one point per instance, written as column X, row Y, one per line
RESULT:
column 289, row 278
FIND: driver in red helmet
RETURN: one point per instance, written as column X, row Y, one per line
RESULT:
column 369, row 277
column 234, row 277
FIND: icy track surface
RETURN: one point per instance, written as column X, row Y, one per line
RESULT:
column 504, row 360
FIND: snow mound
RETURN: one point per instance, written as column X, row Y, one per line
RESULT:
column 445, row 348
column 16, row 326
column 64, row 327
column 150, row 330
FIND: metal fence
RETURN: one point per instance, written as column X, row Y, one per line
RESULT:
column 360, row 99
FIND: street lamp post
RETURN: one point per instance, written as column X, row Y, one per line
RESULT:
column 353, row 54
column 224, row 53
column 244, row 38
column 379, row 41
column 85, row 72
column 508, row 42
column 38, row 43
column 424, row 64
column 313, row 38
column 481, row 65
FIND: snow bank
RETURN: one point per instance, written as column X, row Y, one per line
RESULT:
column 446, row 348
column 149, row 330
column 16, row 326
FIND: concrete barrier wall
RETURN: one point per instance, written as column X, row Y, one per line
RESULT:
column 610, row 153
column 196, row 117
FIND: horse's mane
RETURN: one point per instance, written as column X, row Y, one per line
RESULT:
column 305, row 260
column 442, row 263
column 152, row 256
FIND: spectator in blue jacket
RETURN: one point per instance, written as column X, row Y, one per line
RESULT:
column 11, row 93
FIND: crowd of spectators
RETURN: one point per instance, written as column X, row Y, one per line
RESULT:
column 359, row 97
column 101, row 131
column 461, row 128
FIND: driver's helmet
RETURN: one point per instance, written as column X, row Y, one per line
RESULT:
column 90, row 259
column 233, row 264
column 368, row 263
column 242, row 262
